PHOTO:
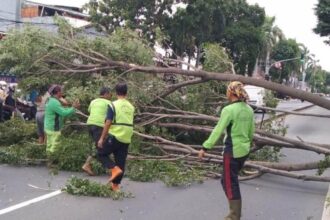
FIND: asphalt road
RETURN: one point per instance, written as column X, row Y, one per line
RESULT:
column 286, row 105
column 267, row 198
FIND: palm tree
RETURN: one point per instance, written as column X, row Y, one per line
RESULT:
column 307, row 62
column 272, row 35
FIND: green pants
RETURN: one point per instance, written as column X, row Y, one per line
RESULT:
column 52, row 141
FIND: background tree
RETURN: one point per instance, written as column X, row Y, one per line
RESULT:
column 317, row 79
column 243, row 33
column 200, row 22
column 322, row 12
column 271, row 35
column 285, row 49
column 243, row 42
column 143, row 15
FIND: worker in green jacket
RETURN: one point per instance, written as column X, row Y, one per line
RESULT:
column 237, row 119
column 54, row 117
column 97, row 114
column 116, row 136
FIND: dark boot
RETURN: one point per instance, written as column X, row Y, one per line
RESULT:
column 235, row 207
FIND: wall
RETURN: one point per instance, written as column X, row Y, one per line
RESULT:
column 10, row 10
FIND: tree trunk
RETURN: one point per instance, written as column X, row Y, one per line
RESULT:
column 267, row 63
column 198, row 56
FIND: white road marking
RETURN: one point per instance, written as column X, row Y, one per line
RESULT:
column 29, row 202
column 326, row 209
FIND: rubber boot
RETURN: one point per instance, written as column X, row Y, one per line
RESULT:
column 87, row 166
column 235, row 207
column 114, row 172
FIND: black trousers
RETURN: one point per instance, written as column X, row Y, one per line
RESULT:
column 95, row 132
column 229, row 180
column 119, row 151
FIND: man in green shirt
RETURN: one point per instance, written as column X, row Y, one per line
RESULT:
column 54, row 117
column 116, row 136
column 237, row 119
column 97, row 113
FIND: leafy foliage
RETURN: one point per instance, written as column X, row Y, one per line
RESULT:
column 144, row 15
column 14, row 132
column 85, row 187
column 323, row 13
column 24, row 153
column 73, row 151
column 244, row 42
column 317, row 79
column 269, row 153
column 199, row 22
column 323, row 165
column 285, row 49
column 270, row 100
column 216, row 58
column 172, row 174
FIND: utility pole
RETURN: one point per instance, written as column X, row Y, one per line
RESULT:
column 18, row 13
column 282, row 61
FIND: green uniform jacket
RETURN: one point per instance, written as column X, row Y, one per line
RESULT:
column 238, row 120
column 98, row 111
column 55, row 113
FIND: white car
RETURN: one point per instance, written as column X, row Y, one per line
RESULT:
column 256, row 95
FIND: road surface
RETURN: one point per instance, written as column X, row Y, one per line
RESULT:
column 267, row 198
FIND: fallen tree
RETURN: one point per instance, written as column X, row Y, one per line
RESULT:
column 166, row 111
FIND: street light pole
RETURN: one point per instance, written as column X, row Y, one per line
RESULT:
column 280, row 61
column 285, row 60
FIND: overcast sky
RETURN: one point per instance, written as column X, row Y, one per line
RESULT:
column 297, row 19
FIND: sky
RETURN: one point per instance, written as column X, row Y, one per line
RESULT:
column 297, row 19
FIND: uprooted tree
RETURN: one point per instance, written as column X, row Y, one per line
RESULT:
column 173, row 116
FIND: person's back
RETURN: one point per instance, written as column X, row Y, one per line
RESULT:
column 122, row 126
column 237, row 119
column 240, row 130
column 98, row 110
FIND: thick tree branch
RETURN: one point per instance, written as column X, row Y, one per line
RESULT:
column 295, row 93
column 177, row 86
